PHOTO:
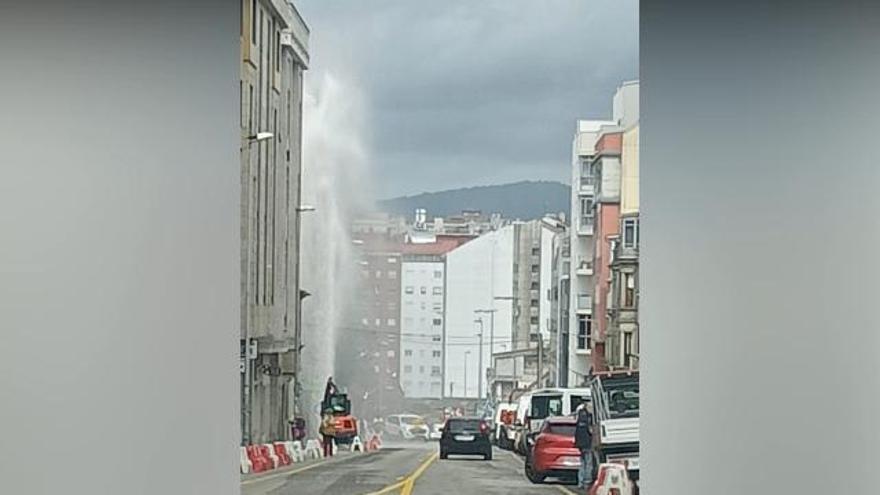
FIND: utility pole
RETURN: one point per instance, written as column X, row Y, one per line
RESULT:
column 540, row 359
column 466, row 354
column 480, row 362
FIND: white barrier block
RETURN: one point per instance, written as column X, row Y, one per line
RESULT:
column 314, row 450
column 246, row 465
column 356, row 445
column 297, row 454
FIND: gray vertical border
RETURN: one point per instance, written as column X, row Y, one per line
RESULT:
column 119, row 195
column 760, row 238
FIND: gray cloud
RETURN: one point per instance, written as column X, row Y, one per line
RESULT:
column 461, row 92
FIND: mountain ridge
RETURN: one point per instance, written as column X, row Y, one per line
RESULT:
column 523, row 200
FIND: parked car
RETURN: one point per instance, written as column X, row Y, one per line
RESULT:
column 436, row 431
column 554, row 454
column 549, row 402
column 407, row 426
column 466, row 436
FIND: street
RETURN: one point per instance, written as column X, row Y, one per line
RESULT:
column 389, row 470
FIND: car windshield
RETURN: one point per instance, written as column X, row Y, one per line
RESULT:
column 623, row 401
column 412, row 420
column 546, row 405
column 464, row 425
column 565, row 430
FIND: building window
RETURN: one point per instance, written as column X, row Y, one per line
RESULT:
column 378, row 322
column 534, row 303
column 438, row 274
column 435, row 371
column 587, row 207
column 422, row 370
column 409, row 289
column 536, row 286
column 392, row 274
column 438, row 322
column 436, row 354
column 365, row 322
column 392, row 322
column 407, row 353
column 423, row 290
column 253, row 20
column 533, row 320
column 407, row 368
column 585, row 330
column 436, row 338
column 392, row 260
column 378, row 273
column 629, row 290
column 627, row 348
column 438, row 291
column 536, row 251
column 630, row 232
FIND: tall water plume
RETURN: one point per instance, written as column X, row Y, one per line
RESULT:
column 336, row 183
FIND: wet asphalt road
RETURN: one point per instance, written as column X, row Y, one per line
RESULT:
column 388, row 470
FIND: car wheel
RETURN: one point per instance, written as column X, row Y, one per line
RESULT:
column 531, row 474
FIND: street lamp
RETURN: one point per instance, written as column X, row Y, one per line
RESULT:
column 260, row 136
column 301, row 294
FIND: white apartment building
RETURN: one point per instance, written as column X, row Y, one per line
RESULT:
column 583, row 197
column 625, row 111
column 422, row 314
column 476, row 273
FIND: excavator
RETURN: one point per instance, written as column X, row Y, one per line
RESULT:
column 339, row 406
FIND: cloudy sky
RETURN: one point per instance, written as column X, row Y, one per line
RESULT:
column 472, row 92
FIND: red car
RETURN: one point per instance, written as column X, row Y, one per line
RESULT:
column 554, row 454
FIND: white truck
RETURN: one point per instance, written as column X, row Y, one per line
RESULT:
column 616, row 419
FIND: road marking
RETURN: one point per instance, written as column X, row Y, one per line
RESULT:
column 521, row 462
column 411, row 481
column 408, row 482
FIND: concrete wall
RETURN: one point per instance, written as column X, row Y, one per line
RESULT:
column 476, row 272
column 421, row 339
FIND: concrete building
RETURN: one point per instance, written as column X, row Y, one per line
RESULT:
column 274, row 55
column 476, row 273
column 622, row 348
column 559, row 303
column 581, row 274
column 423, row 315
column 606, row 175
column 369, row 362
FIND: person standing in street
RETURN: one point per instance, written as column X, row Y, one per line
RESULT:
column 328, row 431
column 583, row 440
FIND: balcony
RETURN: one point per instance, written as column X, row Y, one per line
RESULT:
column 584, row 304
column 587, row 185
column 585, row 225
column 585, row 269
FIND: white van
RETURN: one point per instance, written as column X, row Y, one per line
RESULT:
column 548, row 402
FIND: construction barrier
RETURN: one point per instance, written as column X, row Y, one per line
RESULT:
column 314, row 449
column 281, row 452
column 297, row 453
column 612, row 479
column 246, row 465
column 258, row 463
column 269, row 451
column 356, row 445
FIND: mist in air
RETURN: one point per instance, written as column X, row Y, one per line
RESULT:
column 337, row 183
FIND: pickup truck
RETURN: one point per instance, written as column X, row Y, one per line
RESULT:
column 615, row 397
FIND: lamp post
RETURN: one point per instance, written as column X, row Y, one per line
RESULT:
column 301, row 294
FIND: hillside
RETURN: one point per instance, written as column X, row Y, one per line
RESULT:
column 520, row 200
